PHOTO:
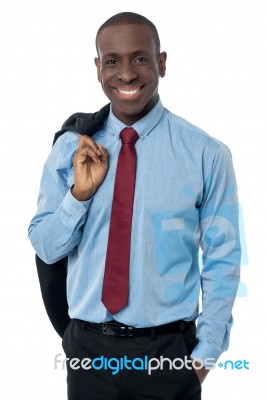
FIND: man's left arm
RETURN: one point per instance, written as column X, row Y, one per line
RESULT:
column 220, row 243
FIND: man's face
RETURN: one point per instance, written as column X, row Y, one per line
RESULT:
column 129, row 67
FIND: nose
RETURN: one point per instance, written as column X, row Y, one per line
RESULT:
column 127, row 73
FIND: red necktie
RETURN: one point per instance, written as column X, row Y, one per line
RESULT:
column 116, row 275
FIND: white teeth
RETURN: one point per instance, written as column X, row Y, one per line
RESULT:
column 128, row 92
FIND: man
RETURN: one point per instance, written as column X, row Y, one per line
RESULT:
column 130, row 208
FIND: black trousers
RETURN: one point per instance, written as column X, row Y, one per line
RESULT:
column 117, row 368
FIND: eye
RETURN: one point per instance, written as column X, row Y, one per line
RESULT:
column 141, row 60
column 112, row 61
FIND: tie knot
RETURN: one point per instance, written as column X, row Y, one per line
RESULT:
column 129, row 135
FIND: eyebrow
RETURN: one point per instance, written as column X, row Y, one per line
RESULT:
column 132, row 53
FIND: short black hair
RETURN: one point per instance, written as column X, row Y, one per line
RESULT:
column 130, row 18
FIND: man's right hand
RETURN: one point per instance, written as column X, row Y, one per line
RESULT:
column 90, row 164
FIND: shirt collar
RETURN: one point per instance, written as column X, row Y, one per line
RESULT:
column 143, row 126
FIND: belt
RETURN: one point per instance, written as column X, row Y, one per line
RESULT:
column 115, row 328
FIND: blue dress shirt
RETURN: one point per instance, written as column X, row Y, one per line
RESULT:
column 185, row 199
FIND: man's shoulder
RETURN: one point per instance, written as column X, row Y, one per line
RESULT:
column 190, row 131
column 65, row 142
column 84, row 123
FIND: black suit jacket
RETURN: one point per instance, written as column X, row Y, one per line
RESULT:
column 52, row 277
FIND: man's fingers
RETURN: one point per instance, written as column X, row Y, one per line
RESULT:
column 102, row 151
column 85, row 152
column 85, row 140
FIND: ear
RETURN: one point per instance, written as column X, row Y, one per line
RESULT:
column 162, row 63
column 98, row 64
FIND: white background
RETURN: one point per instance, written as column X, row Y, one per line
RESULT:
column 215, row 79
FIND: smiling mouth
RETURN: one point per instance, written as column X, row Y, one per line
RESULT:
column 129, row 92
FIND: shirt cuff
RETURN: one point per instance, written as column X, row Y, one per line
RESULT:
column 206, row 354
column 74, row 207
